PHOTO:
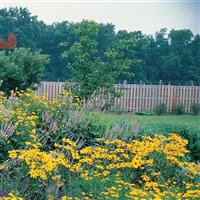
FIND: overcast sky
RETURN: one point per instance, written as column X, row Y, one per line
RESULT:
column 147, row 16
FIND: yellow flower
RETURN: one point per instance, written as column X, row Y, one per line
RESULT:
column 12, row 154
column 33, row 131
column 2, row 166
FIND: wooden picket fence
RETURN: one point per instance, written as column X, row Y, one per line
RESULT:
column 138, row 97
column 50, row 90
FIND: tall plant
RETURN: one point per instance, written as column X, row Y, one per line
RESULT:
column 94, row 71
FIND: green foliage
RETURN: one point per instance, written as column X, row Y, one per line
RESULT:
column 188, row 132
column 178, row 108
column 172, row 57
column 27, row 28
column 94, row 72
column 146, row 113
column 161, row 108
column 119, row 110
column 192, row 135
column 195, row 108
column 21, row 68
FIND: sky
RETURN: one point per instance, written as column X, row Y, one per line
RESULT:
column 144, row 15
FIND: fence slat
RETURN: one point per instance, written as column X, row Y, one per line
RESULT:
column 137, row 97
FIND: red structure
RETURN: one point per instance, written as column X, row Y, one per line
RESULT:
column 10, row 44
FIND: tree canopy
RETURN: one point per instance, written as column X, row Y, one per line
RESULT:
column 96, row 68
column 168, row 55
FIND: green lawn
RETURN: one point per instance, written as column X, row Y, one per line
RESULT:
column 188, row 120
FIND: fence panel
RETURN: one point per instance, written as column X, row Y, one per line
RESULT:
column 137, row 97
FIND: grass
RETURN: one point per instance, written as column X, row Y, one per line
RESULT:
column 188, row 120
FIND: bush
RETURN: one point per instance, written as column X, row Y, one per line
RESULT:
column 138, row 168
column 178, row 108
column 161, row 108
column 119, row 111
column 21, row 68
column 195, row 108
column 187, row 132
column 146, row 113
column 127, row 130
column 63, row 117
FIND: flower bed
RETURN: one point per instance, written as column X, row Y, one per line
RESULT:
column 46, row 156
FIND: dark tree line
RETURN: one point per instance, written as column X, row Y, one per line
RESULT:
column 172, row 56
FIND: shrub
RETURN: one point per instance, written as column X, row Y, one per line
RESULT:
column 146, row 113
column 114, row 169
column 161, row 108
column 187, row 132
column 195, row 108
column 178, row 108
column 28, row 113
column 21, row 68
column 119, row 111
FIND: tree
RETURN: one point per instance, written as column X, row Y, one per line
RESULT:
column 21, row 68
column 195, row 52
column 94, row 71
column 178, row 64
column 26, row 27
column 50, row 43
column 172, row 57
